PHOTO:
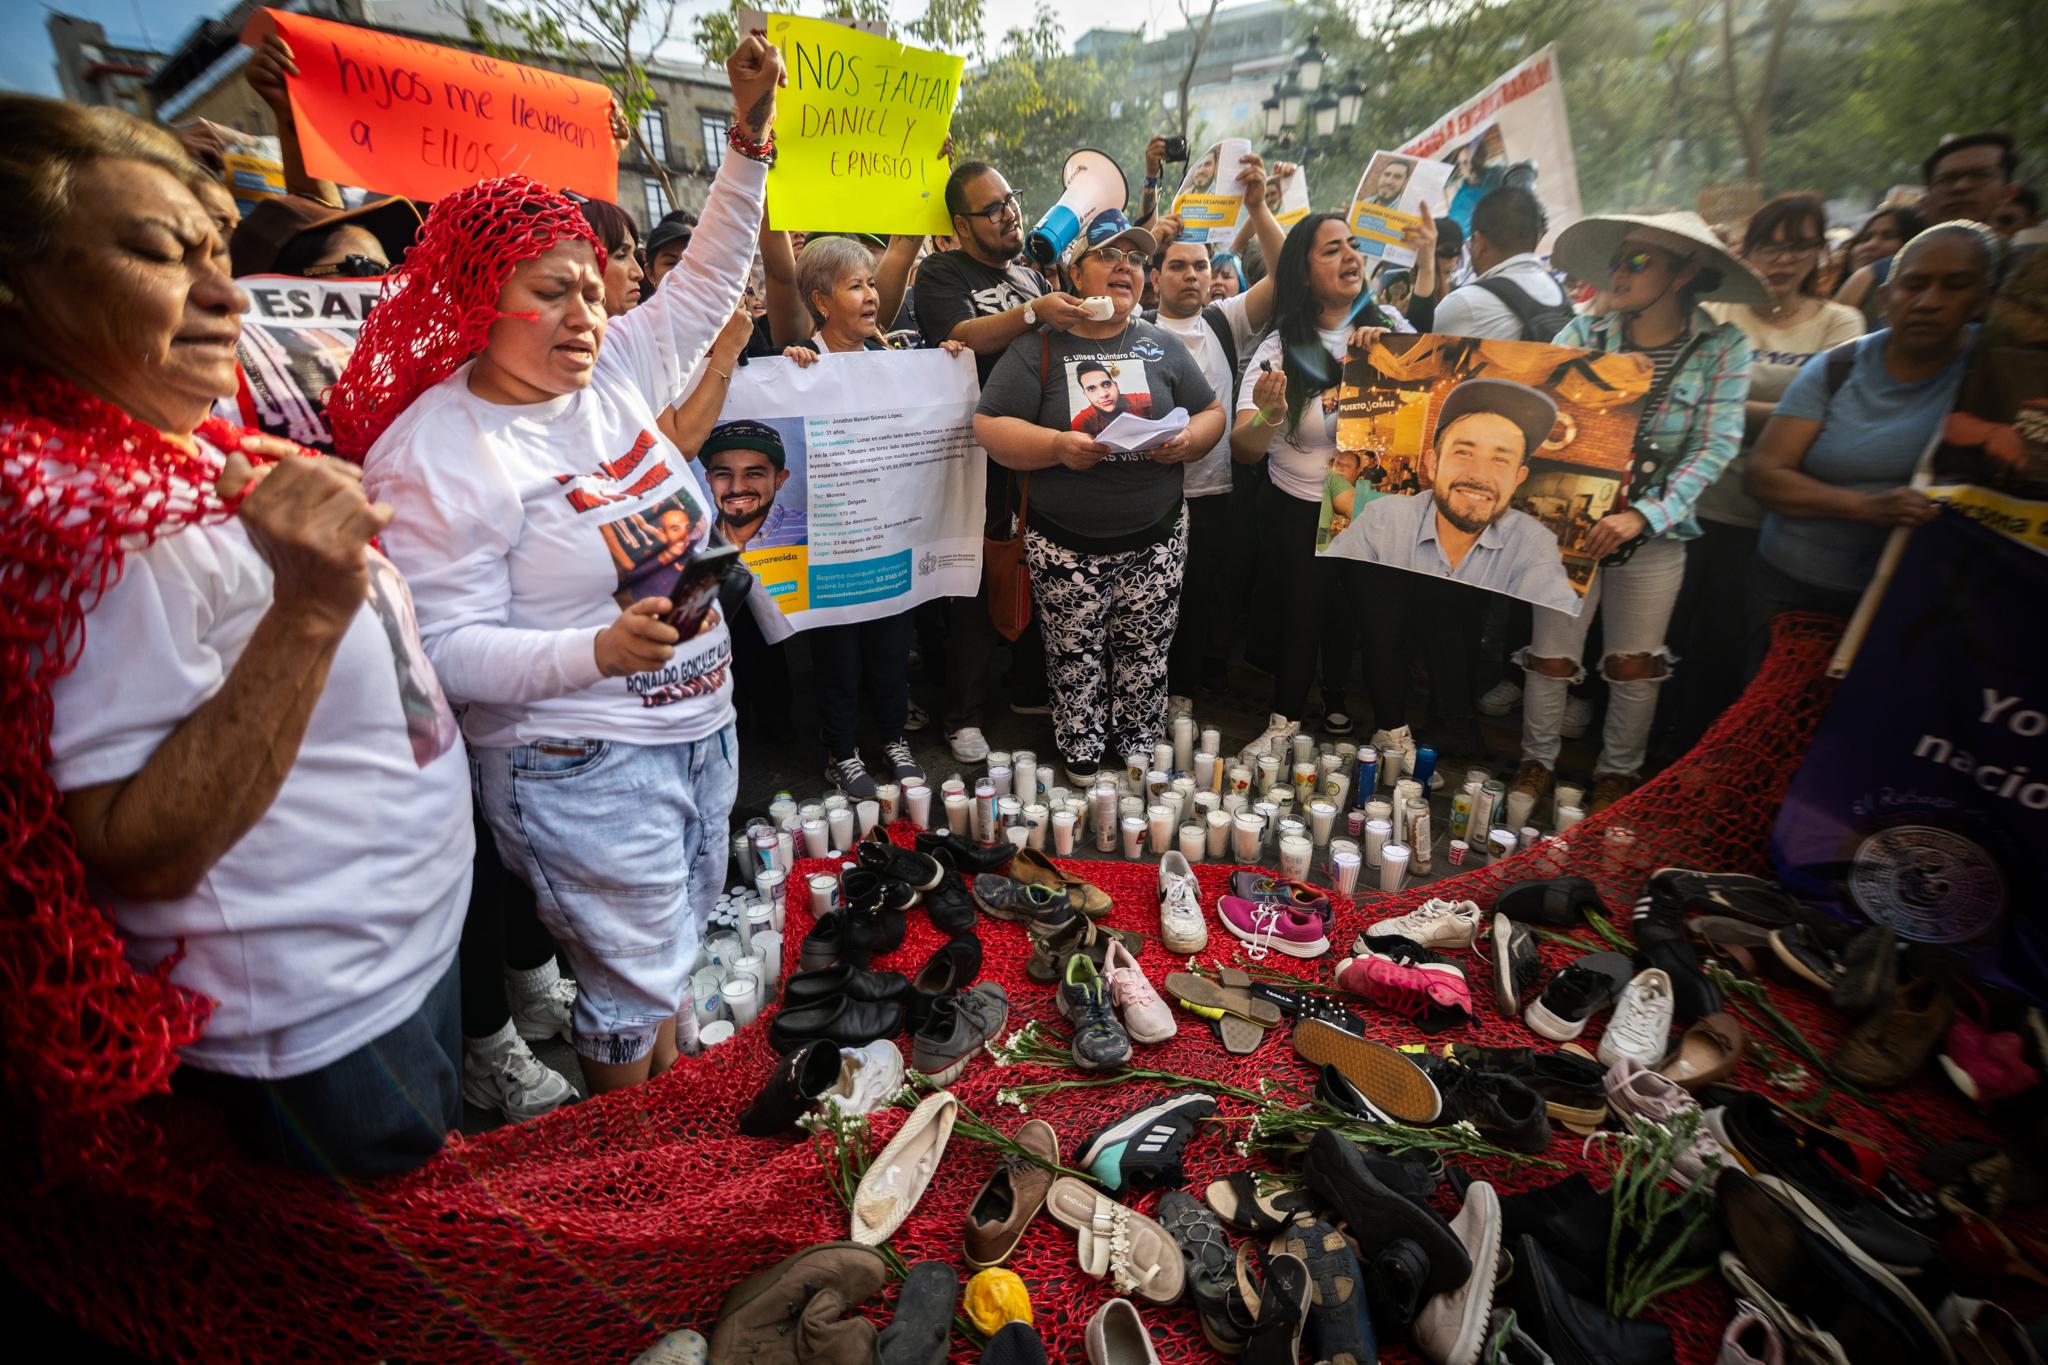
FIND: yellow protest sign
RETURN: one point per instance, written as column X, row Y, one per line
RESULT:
column 858, row 132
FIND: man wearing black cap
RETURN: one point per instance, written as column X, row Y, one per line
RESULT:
column 1465, row 528
column 746, row 466
column 667, row 240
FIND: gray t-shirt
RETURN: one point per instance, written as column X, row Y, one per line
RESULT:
column 1088, row 382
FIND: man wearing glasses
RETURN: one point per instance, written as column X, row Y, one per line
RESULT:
column 1969, row 177
column 981, row 295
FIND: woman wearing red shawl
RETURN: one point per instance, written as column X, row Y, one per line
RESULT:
column 222, row 692
column 541, row 519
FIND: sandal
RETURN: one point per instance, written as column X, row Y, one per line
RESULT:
column 1234, row 999
column 1207, row 1258
column 1117, row 1241
column 1238, row 1202
column 1336, row 1284
column 1279, row 1308
column 1049, row 952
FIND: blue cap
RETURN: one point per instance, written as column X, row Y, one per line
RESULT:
column 1103, row 227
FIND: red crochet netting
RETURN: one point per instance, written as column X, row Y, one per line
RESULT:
column 437, row 308
column 588, row 1233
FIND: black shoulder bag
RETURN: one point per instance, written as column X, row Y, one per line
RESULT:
column 1652, row 464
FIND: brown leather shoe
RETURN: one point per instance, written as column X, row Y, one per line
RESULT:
column 1710, row 1051
column 794, row 1310
column 1011, row 1197
column 1033, row 868
column 1609, row 788
column 1532, row 779
column 1891, row 1046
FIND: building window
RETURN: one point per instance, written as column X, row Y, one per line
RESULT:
column 715, row 128
column 657, row 199
column 654, row 133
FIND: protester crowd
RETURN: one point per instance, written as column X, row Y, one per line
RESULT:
column 275, row 650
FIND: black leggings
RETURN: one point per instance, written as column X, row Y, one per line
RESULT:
column 501, row 930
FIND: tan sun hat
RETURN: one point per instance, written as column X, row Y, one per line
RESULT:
column 1586, row 250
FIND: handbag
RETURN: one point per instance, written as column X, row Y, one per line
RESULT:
column 1651, row 461
column 1002, row 559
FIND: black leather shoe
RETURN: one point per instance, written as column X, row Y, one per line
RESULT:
column 813, row 987
column 878, row 902
column 1378, row 1215
column 1556, row 902
column 967, row 855
column 948, row 906
column 919, row 871
column 1393, row 1286
column 841, row 1021
column 1574, row 1331
column 792, row 1091
column 1503, row 1109
column 952, row 968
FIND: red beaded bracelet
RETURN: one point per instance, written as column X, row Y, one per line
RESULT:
column 763, row 150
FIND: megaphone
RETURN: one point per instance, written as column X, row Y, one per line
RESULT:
column 1092, row 182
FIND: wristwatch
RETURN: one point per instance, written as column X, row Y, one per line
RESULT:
column 1030, row 316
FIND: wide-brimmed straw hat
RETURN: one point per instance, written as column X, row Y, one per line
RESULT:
column 1586, row 250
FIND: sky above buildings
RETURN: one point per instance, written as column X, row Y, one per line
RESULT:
column 25, row 55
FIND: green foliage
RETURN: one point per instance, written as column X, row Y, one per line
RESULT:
column 609, row 40
column 946, row 25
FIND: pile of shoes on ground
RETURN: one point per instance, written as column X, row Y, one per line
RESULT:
column 1132, row 1221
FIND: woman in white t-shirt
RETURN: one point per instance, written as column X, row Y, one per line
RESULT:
column 1287, row 414
column 1786, row 243
column 543, row 520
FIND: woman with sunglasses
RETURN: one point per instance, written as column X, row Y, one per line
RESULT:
column 1658, row 270
column 1106, row 532
column 1287, row 409
column 1786, row 243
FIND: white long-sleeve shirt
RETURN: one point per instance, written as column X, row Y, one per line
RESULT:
column 517, row 523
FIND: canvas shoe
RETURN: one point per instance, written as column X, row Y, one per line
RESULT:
column 1517, row 964
column 903, row 764
column 1268, row 927
column 1451, row 1328
column 1146, row 1017
column 542, row 1001
column 967, row 744
column 1501, row 1107
column 1411, row 981
column 1501, row 698
column 1438, row 923
column 1278, row 731
column 1100, row 1043
column 1183, row 928
column 1576, row 994
column 501, row 1074
column 851, row 776
column 1143, row 1149
column 1641, row 1027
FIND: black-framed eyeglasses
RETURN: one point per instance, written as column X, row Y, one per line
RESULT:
column 1786, row 251
column 1007, row 207
column 1112, row 256
column 351, row 267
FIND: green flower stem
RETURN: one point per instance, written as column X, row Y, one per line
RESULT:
column 1639, row 1202
column 1599, row 925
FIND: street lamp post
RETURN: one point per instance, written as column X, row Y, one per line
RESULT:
column 1307, row 103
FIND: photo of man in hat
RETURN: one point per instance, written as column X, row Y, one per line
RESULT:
column 746, row 466
column 1465, row 527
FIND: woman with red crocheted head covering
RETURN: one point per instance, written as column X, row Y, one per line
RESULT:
column 232, row 698
column 542, row 520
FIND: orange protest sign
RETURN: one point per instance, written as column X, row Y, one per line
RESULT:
column 400, row 116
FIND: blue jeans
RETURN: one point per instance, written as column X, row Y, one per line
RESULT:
column 625, row 848
column 381, row 1110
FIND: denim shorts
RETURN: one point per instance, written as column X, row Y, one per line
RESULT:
column 625, row 848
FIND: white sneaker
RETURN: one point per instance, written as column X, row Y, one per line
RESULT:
column 967, row 744
column 1578, row 717
column 1437, row 924
column 868, row 1076
column 1400, row 741
column 500, row 1073
column 1641, row 1027
column 1183, row 928
column 1501, row 698
column 542, row 1001
column 1279, row 730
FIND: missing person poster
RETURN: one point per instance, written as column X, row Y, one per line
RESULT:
column 1484, row 462
column 1209, row 203
column 853, row 488
column 1923, row 800
column 1387, row 206
column 297, row 335
column 1514, row 132
column 1287, row 192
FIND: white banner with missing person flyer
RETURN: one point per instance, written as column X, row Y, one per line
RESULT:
column 853, row 488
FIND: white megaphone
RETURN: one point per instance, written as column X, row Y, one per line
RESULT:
column 1092, row 182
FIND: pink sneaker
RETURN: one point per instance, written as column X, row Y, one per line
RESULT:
column 1985, row 1066
column 1146, row 1017
column 1634, row 1090
column 1303, row 896
column 1434, row 994
column 1265, row 926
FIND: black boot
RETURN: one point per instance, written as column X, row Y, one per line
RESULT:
column 792, row 1091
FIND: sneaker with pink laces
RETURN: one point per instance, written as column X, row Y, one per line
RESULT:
column 1265, row 926
column 1635, row 1091
column 1986, row 1066
column 1146, row 1017
column 1412, row 982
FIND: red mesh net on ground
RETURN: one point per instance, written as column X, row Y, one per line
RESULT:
column 586, row 1234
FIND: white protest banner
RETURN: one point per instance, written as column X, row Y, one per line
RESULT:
column 297, row 335
column 1209, row 202
column 1514, row 132
column 853, row 488
column 1387, row 203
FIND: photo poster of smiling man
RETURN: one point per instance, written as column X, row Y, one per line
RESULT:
column 1389, row 202
column 1209, row 203
column 1485, row 462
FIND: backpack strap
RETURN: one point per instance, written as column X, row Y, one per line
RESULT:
column 1840, row 364
column 1534, row 316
